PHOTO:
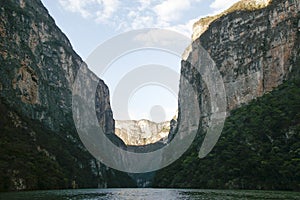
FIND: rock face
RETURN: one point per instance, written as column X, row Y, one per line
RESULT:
column 142, row 132
column 38, row 67
column 254, row 51
column 244, row 5
column 26, row 82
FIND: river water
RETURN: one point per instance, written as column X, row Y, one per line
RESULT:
column 148, row 194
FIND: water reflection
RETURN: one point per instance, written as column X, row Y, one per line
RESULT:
column 147, row 194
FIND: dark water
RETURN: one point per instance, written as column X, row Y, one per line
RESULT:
column 145, row 194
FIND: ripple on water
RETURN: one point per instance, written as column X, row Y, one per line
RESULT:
column 149, row 194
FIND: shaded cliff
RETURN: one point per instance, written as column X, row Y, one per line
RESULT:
column 255, row 51
column 40, row 148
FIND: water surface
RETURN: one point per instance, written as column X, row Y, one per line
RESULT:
column 148, row 194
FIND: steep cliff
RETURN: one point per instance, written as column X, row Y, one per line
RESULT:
column 141, row 132
column 256, row 50
column 40, row 148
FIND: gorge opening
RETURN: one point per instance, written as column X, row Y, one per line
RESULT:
column 144, row 88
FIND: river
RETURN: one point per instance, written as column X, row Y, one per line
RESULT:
column 148, row 194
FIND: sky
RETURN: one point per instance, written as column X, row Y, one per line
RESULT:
column 89, row 23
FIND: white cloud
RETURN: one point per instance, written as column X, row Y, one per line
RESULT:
column 101, row 10
column 108, row 8
column 221, row 5
column 127, row 15
column 142, row 22
column 78, row 6
column 185, row 29
column 144, row 4
column 171, row 10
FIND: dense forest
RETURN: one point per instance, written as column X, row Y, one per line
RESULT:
column 259, row 148
column 32, row 157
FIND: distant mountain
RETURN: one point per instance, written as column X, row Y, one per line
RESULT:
column 141, row 132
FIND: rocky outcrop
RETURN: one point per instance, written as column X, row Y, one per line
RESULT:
column 254, row 51
column 38, row 67
column 142, row 132
column 257, row 54
column 244, row 5
column 26, row 82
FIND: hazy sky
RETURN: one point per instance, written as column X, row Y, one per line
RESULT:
column 88, row 23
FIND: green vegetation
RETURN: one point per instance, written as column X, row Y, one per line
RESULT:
column 40, row 158
column 239, row 6
column 39, row 145
column 33, row 158
column 247, row 5
column 259, row 148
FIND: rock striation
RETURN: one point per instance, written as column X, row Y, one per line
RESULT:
column 141, row 132
column 255, row 47
column 38, row 67
column 244, row 5
column 254, row 50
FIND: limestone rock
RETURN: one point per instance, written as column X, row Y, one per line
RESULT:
column 38, row 67
column 142, row 132
column 202, row 25
column 254, row 50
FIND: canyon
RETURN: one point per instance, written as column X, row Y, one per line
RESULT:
column 254, row 46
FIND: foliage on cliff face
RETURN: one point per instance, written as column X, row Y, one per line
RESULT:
column 259, row 148
column 243, row 5
column 39, row 145
column 34, row 158
column 260, row 143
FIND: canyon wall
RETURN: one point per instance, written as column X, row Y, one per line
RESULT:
column 141, row 132
column 255, row 48
column 38, row 67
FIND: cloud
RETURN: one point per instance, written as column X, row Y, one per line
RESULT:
column 221, row 5
column 76, row 6
column 186, row 28
column 142, row 22
column 138, row 18
column 144, row 4
column 108, row 8
column 171, row 10
column 128, row 15
column 100, row 10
